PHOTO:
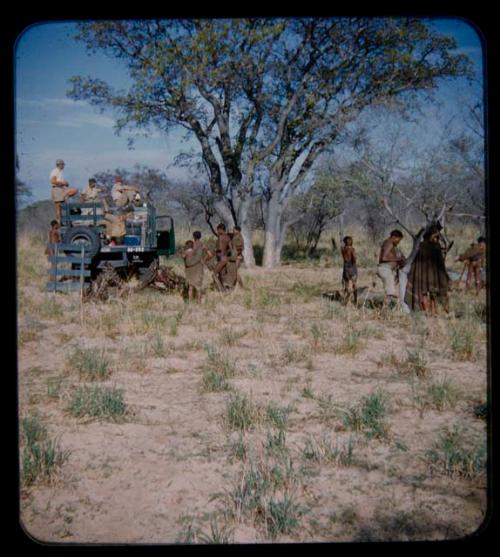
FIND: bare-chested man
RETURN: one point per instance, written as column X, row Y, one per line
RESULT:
column 222, row 249
column 350, row 270
column 474, row 260
column 239, row 246
column 194, row 263
column 389, row 260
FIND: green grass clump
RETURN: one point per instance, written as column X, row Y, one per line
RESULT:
column 462, row 341
column 241, row 413
column 41, row 456
column 282, row 516
column 457, row 455
column 218, row 534
column 278, row 415
column 351, row 342
column 218, row 368
column 92, row 363
column 97, row 402
column 325, row 450
column 415, row 364
column 369, row 416
column 442, row 394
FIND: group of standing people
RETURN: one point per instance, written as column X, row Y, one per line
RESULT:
column 223, row 263
column 427, row 280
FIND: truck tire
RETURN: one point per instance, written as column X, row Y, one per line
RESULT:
column 84, row 235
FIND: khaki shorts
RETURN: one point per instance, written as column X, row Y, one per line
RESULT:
column 58, row 193
column 387, row 274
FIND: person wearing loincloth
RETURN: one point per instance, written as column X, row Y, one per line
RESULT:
column 223, row 247
column 350, row 270
column 474, row 260
column 428, row 281
column 239, row 246
column 194, row 263
column 194, row 278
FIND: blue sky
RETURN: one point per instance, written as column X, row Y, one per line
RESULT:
column 51, row 126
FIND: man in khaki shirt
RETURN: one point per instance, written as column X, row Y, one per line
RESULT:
column 60, row 187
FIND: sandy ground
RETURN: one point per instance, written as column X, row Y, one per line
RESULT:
column 168, row 472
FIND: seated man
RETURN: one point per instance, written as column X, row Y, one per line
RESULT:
column 115, row 227
column 122, row 194
column 93, row 193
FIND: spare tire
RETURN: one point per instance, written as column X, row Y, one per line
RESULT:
column 84, row 235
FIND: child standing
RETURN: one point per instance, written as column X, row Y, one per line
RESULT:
column 187, row 254
column 350, row 270
column 54, row 237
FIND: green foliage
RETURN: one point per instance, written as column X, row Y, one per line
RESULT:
column 415, row 364
column 41, row 456
column 368, row 416
column 97, row 402
column 282, row 516
column 278, row 416
column 462, row 341
column 276, row 442
column 241, row 413
column 218, row 368
column 457, row 454
column 218, row 534
column 91, row 363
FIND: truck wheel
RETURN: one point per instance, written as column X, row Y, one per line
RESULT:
column 84, row 235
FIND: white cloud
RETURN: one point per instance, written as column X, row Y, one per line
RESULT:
column 60, row 112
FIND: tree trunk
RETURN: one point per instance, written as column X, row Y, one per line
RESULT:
column 224, row 213
column 272, row 237
column 246, row 231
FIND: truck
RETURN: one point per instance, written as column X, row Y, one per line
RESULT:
column 147, row 237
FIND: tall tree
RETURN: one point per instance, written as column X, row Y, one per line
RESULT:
column 263, row 95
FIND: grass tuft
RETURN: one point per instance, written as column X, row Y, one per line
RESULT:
column 97, row 402
column 41, row 457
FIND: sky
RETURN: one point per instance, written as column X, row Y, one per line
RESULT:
column 49, row 125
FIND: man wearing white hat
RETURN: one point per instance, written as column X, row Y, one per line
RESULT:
column 60, row 187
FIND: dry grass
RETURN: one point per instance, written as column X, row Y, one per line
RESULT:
column 269, row 414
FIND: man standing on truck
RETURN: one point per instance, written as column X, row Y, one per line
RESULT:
column 60, row 187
